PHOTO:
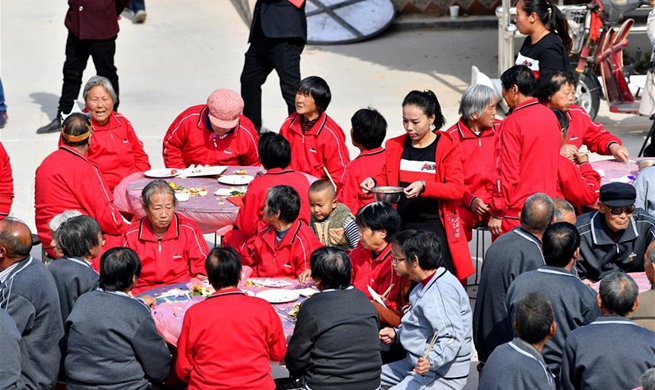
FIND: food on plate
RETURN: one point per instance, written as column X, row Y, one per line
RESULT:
column 174, row 171
column 237, row 193
column 241, row 172
column 204, row 291
column 293, row 313
column 198, row 191
column 172, row 185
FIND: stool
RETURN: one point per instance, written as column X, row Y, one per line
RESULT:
column 480, row 241
column 218, row 235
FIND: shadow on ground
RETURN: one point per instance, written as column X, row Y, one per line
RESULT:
column 48, row 102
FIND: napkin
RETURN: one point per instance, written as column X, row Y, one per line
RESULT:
column 236, row 200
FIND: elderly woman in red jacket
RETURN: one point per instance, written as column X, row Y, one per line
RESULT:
column 558, row 91
column 428, row 164
column 476, row 133
column 215, row 133
column 171, row 247
column 116, row 150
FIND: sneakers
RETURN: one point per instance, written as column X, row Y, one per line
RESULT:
column 52, row 127
column 140, row 16
column 3, row 119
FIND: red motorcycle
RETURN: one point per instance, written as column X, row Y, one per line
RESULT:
column 598, row 48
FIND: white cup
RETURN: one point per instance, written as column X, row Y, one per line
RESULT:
column 454, row 11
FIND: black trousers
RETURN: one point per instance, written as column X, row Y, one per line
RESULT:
column 78, row 52
column 264, row 55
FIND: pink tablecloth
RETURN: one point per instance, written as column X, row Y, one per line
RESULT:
column 169, row 316
column 210, row 212
column 612, row 171
column 639, row 277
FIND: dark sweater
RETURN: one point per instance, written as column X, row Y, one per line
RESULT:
column 113, row 344
column 335, row 343
column 73, row 278
column 13, row 354
column 29, row 296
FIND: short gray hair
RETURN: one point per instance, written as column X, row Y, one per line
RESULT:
column 537, row 213
column 561, row 208
column 102, row 81
column 618, row 292
column 648, row 379
column 156, row 187
column 58, row 219
column 475, row 99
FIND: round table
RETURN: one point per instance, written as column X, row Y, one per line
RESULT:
column 615, row 171
column 169, row 312
column 210, row 212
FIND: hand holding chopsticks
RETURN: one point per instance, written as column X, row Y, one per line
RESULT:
column 423, row 365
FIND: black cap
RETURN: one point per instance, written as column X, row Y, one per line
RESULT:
column 618, row 194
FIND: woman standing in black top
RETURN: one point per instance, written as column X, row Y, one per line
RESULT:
column 547, row 45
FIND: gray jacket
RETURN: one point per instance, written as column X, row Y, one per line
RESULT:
column 599, row 255
column 440, row 306
column 516, row 365
column 13, row 354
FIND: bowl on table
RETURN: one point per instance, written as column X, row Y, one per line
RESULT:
column 387, row 194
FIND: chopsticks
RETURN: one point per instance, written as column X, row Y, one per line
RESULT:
column 387, row 291
column 434, row 340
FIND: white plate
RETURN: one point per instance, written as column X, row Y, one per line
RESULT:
column 161, row 173
column 229, row 191
column 275, row 283
column 308, row 291
column 376, row 297
column 200, row 171
column 236, row 180
column 278, row 296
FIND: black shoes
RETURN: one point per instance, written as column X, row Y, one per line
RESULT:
column 3, row 119
column 52, row 127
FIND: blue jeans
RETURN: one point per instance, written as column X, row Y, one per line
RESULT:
column 137, row 5
column 3, row 106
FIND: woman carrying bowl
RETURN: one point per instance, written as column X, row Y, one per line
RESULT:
column 116, row 150
column 428, row 164
column 171, row 247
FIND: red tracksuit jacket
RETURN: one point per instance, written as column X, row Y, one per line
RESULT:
column 191, row 140
column 378, row 273
column 322, row 147
column 267, row 258
column 66, row 180
column 228, row 342
column 478, row 160
column 6, row 183
column 448, row 187
column 582, row 130
column 250, row 214
column 355, row 172
column 580, row 185
column 527, row 155
column 116, row 150
column 176, row 257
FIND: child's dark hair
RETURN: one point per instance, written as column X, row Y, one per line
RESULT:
column 318, row 89
column 428, row 102
column 369, row 128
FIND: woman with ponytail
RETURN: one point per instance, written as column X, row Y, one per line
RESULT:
column 428, row 164
column 547, row 45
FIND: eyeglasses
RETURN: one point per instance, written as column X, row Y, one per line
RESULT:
column 396, row 260
column 620, row 210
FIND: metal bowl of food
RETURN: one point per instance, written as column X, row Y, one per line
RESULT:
column 645, row 163
column 387, row 194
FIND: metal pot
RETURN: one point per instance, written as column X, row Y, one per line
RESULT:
column 387, row 194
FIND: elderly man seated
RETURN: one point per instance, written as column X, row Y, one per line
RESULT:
column 29, row 295
column 66, row 180
column 617, row 236
column 611, row 352
column 215, row 133
column 170, row 246
column 237, row 354
column 282, row 245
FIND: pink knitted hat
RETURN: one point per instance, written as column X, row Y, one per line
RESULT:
column 224, row 106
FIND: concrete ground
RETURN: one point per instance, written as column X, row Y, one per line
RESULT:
column 186, row 49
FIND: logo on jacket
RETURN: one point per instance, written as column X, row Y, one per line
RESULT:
column 227, row 151
column 632, row 256
column 313, row 150
column 287, row 265
column 429, row 167
column 177, row 256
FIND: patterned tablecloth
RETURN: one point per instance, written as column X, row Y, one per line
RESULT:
column 170, row 310
column 639, row 277
column 615, row 171
column 210, row 212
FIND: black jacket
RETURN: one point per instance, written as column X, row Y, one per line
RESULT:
column 335, row 343
column 278, row 19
